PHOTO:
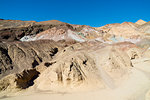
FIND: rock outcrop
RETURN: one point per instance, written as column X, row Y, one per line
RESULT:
column 83, row 65
column 11, row 30
column 17, row 56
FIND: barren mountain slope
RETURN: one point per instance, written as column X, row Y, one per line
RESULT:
column 140, row 22
column 17, row 56
column 83, row 64
column 145, row 27
column 52, row 59
column 14, row 30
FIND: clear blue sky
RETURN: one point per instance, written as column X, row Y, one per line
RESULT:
column 86, row 12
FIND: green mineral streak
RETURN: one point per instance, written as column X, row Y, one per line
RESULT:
column 81, row 34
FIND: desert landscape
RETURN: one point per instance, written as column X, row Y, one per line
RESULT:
column 56, row 60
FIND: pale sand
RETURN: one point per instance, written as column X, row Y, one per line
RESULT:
column 135, row 88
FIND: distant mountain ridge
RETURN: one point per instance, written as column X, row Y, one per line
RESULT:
column 16, row 30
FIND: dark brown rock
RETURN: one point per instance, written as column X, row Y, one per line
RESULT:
column 16, row 56
column 14, row 30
